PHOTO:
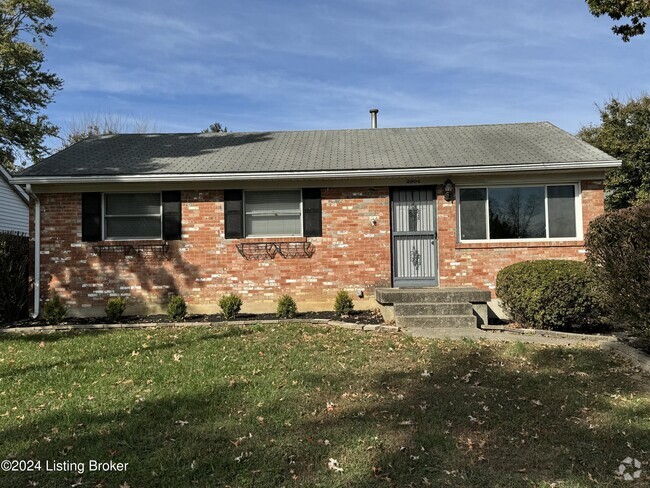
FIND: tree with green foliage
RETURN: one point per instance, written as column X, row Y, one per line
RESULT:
column 26, row 87
column 216, row 127
column 634, row 10
column 624, row 132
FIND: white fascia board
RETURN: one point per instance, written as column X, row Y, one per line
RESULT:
column 310, row 175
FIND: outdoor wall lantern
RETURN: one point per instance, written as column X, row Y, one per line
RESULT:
column 448, row 190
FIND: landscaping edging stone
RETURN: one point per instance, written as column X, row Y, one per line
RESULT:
column 144, row 325
column 608, row 343
column 640, row 358
column 549, row 333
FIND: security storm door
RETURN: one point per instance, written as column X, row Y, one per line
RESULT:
column 415, row 237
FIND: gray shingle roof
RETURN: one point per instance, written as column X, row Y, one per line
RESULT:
column 324, row 150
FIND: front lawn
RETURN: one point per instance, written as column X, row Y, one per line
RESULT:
column 270, row 406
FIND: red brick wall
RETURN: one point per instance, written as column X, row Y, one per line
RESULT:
column 353, row 254
column 478, row 264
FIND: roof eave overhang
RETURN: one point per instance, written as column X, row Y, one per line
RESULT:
column 312, row 175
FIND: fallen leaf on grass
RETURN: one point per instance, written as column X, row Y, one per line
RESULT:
column 333, row 464
column 243, row 456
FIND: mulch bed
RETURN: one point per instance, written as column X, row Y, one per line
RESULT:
column 362, row 317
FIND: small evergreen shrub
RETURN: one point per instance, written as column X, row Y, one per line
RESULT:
column 343, row 304
column 54, row 310
column 14, row 276
column 286, row 307
column 176, row 309
column 618, row 245
column 115, row 309
column 230, row 305
column 549, row 294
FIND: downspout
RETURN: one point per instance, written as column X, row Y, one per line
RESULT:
column 37, row 251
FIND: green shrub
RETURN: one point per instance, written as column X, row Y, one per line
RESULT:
column 14, row 276
column 618, row 245
column 115, row 309
column 54, row 310
column 286, row 307
column 343, row 304
column 230, row 305
column 549, row 294
column 176, row 309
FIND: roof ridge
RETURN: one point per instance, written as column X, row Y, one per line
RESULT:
column 353, row 129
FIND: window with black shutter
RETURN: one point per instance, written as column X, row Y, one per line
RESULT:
column 132, row 216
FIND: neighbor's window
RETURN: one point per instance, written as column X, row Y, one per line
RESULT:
column 132, row 216
column 527, row 212
column 272, row 213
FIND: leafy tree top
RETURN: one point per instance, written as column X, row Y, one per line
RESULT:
column 624, row 132
column 26, row 86
column 216, row 127
column 634, row 10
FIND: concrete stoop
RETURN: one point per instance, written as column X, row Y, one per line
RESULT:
column 444, row 308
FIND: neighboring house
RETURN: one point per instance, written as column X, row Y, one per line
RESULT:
column 307, row 213
column 14, row 205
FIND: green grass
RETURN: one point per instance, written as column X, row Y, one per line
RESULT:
column 249, row 407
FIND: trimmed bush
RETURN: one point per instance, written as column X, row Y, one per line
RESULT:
column 618, row 245
column 176, row 309
column 115, row 309
column 287, row 308
column 549, row 294
column 54, row 310
column 343, row 304
column 230, row 305
column 14, row 276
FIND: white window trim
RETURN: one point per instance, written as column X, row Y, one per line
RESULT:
column 268, row 236
column 104, row 238
column 578, row 213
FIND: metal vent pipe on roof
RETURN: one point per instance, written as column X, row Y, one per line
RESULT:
column 373, row 117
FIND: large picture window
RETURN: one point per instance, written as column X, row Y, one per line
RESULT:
column 132, row 216
column 273, row 213
column 511, row 213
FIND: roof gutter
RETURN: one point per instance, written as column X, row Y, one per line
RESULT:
column 37, row 251
column 308, row 175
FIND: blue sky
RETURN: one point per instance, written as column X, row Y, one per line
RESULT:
column 300, row 64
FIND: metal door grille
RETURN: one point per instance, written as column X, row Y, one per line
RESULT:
column 415, row 239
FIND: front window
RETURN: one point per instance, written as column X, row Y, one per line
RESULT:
column 132, row 216
column 273, row 213
column 511, row 213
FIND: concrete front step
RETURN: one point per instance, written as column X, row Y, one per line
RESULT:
column 435, row 321
column 414, row 309
column 431, row 295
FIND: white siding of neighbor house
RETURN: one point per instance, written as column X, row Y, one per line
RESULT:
column 14, row 213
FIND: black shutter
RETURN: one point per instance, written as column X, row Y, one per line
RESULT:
column 91, row 217
column 234, row 213
column 172, row 215
column 313, row 212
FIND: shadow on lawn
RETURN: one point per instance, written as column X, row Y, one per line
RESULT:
column 34, row 340
column 393, row 428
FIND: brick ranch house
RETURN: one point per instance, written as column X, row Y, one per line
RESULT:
column 307, row 213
